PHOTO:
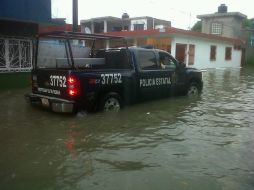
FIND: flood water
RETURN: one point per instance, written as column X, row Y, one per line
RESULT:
column 176, row 143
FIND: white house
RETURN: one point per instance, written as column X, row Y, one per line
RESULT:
column 193, row 48
column 206, row 52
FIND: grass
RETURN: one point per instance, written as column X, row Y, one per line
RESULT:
column 14, row 80
column 250, row 61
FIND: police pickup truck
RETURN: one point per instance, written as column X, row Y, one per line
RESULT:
column 74, row 71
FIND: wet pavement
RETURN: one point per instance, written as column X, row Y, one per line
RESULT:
column 175, row 143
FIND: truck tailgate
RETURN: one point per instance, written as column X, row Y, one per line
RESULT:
column 50, row 82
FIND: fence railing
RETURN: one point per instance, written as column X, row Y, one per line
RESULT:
column 15, row 54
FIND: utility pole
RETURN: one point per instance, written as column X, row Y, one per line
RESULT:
column 74, row 15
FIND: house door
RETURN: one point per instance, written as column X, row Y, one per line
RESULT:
column 181, row 52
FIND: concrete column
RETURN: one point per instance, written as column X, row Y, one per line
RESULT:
column 135, row 42
column 173, row 48
column 187, row 54
column 92, row 27
column 105, row 26
column 107, row 44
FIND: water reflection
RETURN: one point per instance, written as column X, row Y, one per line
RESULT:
column 204, row 143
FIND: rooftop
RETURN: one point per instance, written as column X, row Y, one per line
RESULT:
column 111, row 18
column 107, row 18
column 175, row 32
column 227, row 14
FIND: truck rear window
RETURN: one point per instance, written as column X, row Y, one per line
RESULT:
column 59, row 53
column 49, row 50
column 54, row 53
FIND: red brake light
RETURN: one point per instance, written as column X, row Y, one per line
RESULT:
column 73, row 86
column 71, row 80
column 73, row 92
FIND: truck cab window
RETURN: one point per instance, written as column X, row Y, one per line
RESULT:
column 166, row 61
column 115, row 59
column 147, row 60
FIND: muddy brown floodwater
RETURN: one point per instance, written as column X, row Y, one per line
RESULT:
column 176, row 143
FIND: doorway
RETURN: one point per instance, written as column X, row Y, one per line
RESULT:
column 181, row 52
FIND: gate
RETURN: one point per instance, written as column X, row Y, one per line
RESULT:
column 15, row 55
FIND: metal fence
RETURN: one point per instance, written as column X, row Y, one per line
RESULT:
column 15, row 54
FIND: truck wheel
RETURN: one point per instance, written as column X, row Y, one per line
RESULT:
column 111, row 102
column 193, row 90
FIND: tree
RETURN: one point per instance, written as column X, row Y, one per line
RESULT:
column 197, row 27
column 247, row 23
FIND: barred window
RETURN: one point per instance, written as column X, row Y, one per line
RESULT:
column 216, row 28
column 15, row 54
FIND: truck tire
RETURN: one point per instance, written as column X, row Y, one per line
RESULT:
column 110, row 102
column 194, row 90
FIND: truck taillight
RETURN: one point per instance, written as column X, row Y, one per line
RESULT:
column 73, row 85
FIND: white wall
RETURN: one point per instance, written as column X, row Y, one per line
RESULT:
column 202, row 52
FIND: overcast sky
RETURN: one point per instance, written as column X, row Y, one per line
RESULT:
column 181, row 13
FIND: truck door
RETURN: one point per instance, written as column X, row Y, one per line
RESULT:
column 153, row 80
column 169, row 66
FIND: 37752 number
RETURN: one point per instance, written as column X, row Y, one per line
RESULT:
column 112, row 78
column 59, row 81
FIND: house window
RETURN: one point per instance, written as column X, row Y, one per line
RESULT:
column 252, row 41
column 116, row 29
column 216, row 28
column 139, row 26
column 213, row 53
column 126, row 28
column 228, row 53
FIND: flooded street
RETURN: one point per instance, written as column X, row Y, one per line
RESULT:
column 175, row 143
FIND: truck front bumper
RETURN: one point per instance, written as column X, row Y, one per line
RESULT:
column 54, row 104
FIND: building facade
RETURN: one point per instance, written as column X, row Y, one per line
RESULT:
column 206, row 53
column 19, row 24
column 16, row 45
column 111, row 24
column 223, row 23
column 192, row 48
